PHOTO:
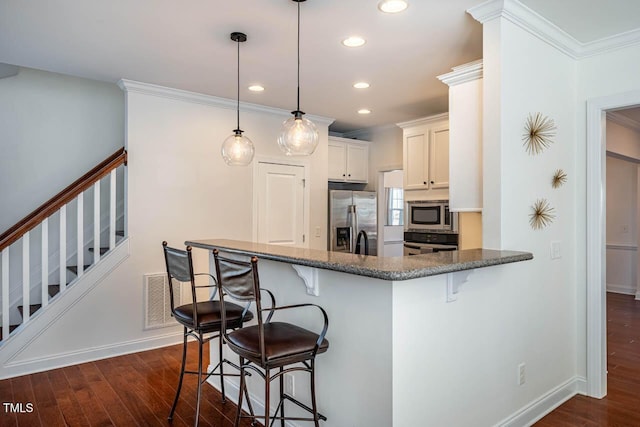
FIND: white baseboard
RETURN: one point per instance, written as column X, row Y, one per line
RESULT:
column 546, row 403
column 61, row 360
column 622, row 289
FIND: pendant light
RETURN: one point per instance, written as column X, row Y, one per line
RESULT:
column 299, row 136
column 237, row 149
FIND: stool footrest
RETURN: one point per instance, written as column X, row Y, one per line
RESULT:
column 303, row 406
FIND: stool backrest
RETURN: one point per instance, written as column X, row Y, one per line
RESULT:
column 239, row 279
column 180, row 267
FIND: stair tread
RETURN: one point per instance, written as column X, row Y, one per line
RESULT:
column 103, row 250
column 54, row 290
column 74, row 268
column 32, row 309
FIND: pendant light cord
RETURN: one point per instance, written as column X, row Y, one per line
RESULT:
column 298, row 109
column 238, row 98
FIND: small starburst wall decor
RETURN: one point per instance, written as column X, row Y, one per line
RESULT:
column 539, row 133
column 559, row 178
column 542, row 214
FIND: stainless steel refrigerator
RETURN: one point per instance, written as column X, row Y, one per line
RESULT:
column 353, row 222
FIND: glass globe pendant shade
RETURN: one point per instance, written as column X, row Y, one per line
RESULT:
column 299, row 136
column 237, row 150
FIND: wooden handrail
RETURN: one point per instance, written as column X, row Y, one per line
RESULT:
column 62, row 198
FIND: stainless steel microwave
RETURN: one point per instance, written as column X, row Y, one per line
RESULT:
column 431, row 215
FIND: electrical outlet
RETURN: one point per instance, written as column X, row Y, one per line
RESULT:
column 521, row 374
column 289, row 385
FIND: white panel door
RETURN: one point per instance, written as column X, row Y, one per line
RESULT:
column 416, row 161
column 357, row 163
column 280, row 204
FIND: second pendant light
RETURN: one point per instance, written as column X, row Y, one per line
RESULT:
column 299, row 136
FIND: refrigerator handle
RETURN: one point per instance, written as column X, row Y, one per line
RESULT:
column 353, row 223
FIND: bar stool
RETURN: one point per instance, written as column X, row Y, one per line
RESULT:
column 200, row 318
column 268, row 345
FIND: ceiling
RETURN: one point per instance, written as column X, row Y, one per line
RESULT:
column 186, row 45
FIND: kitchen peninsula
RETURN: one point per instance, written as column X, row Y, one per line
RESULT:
column 389, row 324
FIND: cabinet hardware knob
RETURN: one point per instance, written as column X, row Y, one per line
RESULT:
column 343, row 175
column 349, row 174
column 424, row 182
column 432, row 182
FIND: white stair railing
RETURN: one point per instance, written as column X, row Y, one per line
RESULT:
column 18, row 266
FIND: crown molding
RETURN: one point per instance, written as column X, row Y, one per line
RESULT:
column 540, row 27
column 214, row 101
column 424, row 121
column 463, row 73
column 623, row 121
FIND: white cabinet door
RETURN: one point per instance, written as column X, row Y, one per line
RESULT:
column 357, row 163
column 337, row 161
column 416, row 163
column 348, row 160
column 439, row 157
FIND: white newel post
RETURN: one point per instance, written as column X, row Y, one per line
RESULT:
column 80, row 235
column 26, row 279
column 112, row 210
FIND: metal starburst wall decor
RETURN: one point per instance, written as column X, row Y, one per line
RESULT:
column 559, row 178
column 542, row 214
column 539, row 133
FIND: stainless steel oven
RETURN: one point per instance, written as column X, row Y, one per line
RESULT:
column 430, row 215
column 419, row 242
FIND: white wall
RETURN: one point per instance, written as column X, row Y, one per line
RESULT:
column 53, row 129
column 179, row 188
column 622, row 201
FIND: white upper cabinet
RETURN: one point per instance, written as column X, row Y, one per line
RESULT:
column 465, row 120
column 425, row 155
column 348, row 160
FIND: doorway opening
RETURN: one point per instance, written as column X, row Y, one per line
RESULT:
column 596, row 236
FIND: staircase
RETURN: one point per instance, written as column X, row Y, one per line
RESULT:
column 37, row 282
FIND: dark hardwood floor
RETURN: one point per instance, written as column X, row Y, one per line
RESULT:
column 132, row 390
column 138, row 389
column 620, row 408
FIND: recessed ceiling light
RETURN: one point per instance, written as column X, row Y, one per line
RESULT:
column 353, row 41
column 364, row 111
column 256, row 88
column 392, row 6
column 361, row 85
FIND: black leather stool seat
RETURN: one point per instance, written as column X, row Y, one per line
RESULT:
column 283, row 343
column 209, row 316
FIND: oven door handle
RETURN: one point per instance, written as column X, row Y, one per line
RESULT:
column 406, row 245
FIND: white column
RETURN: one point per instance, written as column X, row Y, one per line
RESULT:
column 638, row 232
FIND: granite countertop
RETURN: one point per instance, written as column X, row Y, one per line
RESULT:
column 386, row 268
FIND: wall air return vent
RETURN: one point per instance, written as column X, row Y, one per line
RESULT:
column 157, row 310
